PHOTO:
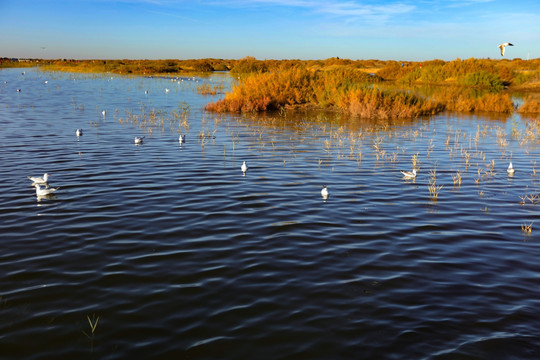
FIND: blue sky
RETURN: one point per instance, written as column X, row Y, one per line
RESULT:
column 269, row 29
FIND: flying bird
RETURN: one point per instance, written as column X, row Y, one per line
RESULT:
column 504, row 45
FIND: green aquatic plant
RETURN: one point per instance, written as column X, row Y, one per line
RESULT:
column 93, row 322
column 482, row 78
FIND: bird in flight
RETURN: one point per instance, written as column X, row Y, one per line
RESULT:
column 503, row 45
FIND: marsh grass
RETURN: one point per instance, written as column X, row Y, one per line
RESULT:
column 532, row 198
column 93, row 322
column 527, row 229
column 153, row 119
column 457, row 179
column 208, row 89
column 432, row 186
column 531, row 106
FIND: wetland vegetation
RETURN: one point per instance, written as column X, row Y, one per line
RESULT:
column 361, row 88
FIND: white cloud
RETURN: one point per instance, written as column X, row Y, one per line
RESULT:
column 339, row 8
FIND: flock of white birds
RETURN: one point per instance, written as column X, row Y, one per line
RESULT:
column 44, row 192
column 38, row 181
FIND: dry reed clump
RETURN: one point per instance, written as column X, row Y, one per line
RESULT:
column 207, row 89
column 375, row 103
column 464, row 102
column 267, row 91
column 340, row 88
column 531, row 105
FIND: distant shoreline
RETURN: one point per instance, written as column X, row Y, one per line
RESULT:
column 359, row 87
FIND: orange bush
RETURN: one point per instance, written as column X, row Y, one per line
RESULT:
column 531, row 105
column 495, row 102
column 341, row 88
column 375, row 103
column 291, row 87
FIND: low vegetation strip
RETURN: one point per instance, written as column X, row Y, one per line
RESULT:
column 363, row 88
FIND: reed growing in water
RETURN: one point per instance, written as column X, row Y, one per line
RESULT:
column 531, row 105
column 342, row 88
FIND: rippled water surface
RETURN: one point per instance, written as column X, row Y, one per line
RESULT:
column 167, row 250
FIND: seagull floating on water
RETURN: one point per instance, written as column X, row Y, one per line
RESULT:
column 39, row 180
column 182, row 139
column 78, row 132
column 503, row 45
column 324, row 192
column 409, row 174
column 139, row 140
column 103, row 112
column 244, row 168
column 510, row 169
column 44, row 192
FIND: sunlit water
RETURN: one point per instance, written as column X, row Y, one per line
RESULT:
column 168, row 251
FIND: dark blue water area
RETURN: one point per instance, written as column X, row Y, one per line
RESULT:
column 168, row 250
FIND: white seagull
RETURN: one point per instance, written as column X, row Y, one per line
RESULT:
column 409, row 174
column 39, row 180
column 78, row 132
column 139, row 140
column 244, row 168
column 503, row 45
column 510, row 169
column 44, row 192
column 324, row 192
column 103, row 112
column 182, row 139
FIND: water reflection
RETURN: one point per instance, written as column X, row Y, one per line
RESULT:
column 46, row 197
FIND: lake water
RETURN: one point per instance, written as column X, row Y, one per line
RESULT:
column 168, row 251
